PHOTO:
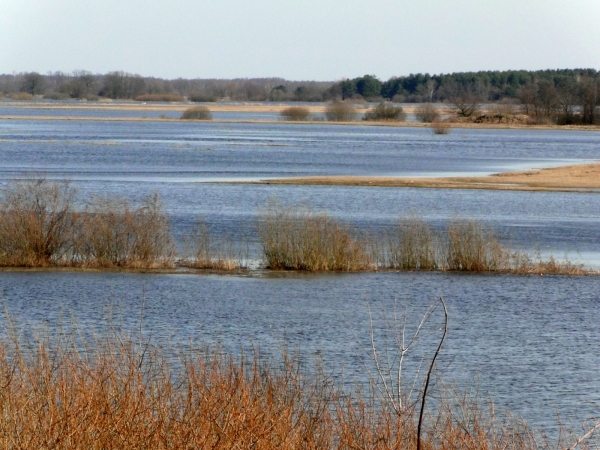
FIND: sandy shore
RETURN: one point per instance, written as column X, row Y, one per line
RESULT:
column 579, row 178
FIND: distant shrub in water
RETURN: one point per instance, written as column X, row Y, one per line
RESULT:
column 337, row 111
column 298, row 239
column 21, row 96
column 427, row 113
column 159, row 98
column 386, row 112
column 413, row 246
column 199, row 97
column 197, row 113
column 208, row 254
column 296, row 113
column 439, row 127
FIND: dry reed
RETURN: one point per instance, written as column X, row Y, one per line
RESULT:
column 111, row 233
column 337, row 111
column 36, row 220
column 299, row 239
column 295, row 114
column 386, row 112
column 439, row 127
column 21, row 96
column 413, row 246
column 119, row 392
column 208, row 254
column 197, row 113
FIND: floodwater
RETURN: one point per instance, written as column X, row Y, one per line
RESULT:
column 531, row 342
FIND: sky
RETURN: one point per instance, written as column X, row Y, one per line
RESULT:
column 297, row 39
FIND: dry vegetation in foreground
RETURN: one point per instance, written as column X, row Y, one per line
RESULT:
column 197, row 113
column 115, row 391
column 40, row 227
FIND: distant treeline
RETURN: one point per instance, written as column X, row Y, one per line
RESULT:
column 566, row 93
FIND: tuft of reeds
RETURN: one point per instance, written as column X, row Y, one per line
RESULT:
column 296, row 114
column 197, row 113
column 208, row 254
column 439, row 127
column 112, row 233
column 386, row 112
column 159, row 98
column 413, row 246
column 473, row 248
column 338, row 111
column 299, row 239
column 36, row 221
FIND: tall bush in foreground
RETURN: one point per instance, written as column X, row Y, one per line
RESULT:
column 36, row 223
column 386, row 112
column 337, row 111
column 197, row 113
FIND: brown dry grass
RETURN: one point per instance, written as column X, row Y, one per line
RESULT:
column 159, row 98
column 296, row 114
column 208, row 254
column 299, row 239
column 118, row 392
column 567, row 178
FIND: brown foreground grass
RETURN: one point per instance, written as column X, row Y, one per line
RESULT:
column 118, row 392
column 581, row 177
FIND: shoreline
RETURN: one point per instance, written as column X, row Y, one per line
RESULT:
column 583, row 178
column 482, row 126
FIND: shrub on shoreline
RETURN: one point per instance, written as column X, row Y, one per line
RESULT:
column 386, row 112
column 338, row 111
column 21, row 96
column 197, row 113
column 296, row 114
column 427, row 113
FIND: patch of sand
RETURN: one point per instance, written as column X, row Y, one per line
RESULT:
column 584, row 178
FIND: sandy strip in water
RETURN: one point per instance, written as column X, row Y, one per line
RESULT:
column 578, row 178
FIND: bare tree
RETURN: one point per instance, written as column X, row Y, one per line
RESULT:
column 464, row 99
column 33, row 83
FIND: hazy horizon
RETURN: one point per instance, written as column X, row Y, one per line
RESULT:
column 309, row 40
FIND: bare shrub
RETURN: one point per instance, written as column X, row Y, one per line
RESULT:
column 439, row 127
column 296, row 113
column 21, row 96
column 337, row 111
column 385, row 112
column 427, row 113
column 57, row 96
column 413, row 246
column 473, row 248
column 197, row 113
column 159, row 98
column 199, row 97
column 299, row 239
column 208, row 254
column 111, row 233
column 36, row 221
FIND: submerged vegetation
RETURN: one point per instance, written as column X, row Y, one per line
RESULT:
column 41, row 227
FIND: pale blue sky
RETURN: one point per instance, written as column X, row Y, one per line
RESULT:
column 297, row 39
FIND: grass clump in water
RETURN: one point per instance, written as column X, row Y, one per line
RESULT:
column 296, row 114
column 337, row 111
column 208, row 254
column 299, row 239
column 386, row 112
column 197, row 113
column 413, row 246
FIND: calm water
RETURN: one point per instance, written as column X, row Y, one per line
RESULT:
column 532, row 341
